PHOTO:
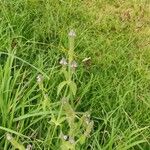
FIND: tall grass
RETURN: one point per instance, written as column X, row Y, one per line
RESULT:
column 113, row 83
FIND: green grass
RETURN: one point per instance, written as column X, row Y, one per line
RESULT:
column 114, row 86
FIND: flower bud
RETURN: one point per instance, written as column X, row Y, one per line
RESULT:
column 39, row 78
column 29, row 147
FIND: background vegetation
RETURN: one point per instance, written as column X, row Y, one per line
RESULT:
column 114, row 85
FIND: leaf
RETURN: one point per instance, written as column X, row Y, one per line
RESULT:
column 66, row 74
column 82, row 139
column 14, row 132
column 60, row 86
column 73, row 87
column 134, row 144
column 14, row 142
column 66, row 145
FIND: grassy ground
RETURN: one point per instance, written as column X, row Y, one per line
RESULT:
column 114, row 85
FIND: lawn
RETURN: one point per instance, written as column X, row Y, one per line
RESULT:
column 75, row 74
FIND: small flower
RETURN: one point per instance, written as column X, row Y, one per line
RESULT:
column 74, row 64
column 39, row 78
column 87, row 120
column 65, row 137
column 86, row 115
column 63, row 61
column 72, row 33
column 89, row 128
column 9, row 137
column 64, row 100
column 29, row 147
column 71, row 140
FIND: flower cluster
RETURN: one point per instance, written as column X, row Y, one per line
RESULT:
column 68, row 138
column 64, row 63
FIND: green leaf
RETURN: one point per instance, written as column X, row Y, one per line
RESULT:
column 66, row 74
column 60, row 86
column 14, row 132
column 73, row 87
column 82, row 139
column 14, row 142
column 66, row 145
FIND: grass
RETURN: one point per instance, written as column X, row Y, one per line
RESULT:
column 114, row 85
